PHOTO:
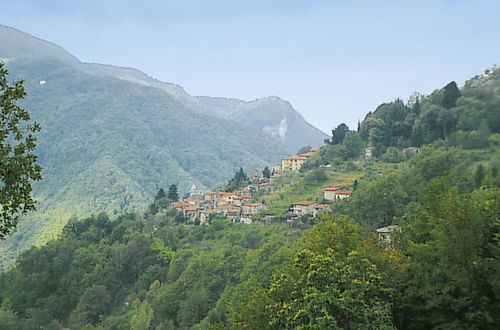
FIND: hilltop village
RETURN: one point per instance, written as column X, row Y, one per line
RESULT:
column 242, row 205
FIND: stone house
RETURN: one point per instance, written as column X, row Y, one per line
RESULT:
column 341, row 194
column 385, row 233
column 303, row 208
column 249, row 209
column 329, row 193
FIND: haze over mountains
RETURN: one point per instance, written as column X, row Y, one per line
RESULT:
column 112, row 136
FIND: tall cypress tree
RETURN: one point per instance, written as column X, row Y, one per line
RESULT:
column 172, row 193
column 160, row 194
column 451, row 94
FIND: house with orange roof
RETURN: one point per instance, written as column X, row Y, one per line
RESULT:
column 240, row 200
column 303, row 208
column 329, row 193
column 341, row 194
column 179, row 206
column 190, row 212
column 249, row 209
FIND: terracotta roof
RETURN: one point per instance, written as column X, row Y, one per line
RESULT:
column 226, row 206
column 331, row 188
column 191, row 208
column 305, row 203
column 321, row 206
column 232, row 213
column 307, row 154
column 342, row 192
column 243, row 197
column 252, row 204
column 207, row 211
column 180, row 204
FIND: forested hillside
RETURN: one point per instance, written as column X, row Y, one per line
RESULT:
column 154, row 271
column 112, row 136
column 415, row 245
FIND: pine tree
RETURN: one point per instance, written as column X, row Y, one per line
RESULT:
column 160, row 194
column 172, row 193
column 266, row 172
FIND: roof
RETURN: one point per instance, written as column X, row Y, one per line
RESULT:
column 342, row 192
column 252, row 204
column 307, row 154
column 207, row 211
column 213, row 193
column 321, row 206
column 332, row 188
column 191, row 208
column 305, row 203
column 243, row 197
column 388, row 229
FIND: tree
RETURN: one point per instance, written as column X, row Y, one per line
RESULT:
column 354, row 144
column 451, row 94
column 479, row 175
column 239, row 180
column 266, row 172
column 338, row 279
column 339, row 133
column 172, row 193
column 160, row 194
column 18, row 164
column 94, row 304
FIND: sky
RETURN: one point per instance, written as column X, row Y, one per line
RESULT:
column 334, row 61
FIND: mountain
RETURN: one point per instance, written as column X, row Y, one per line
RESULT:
column 111, row 137
column 271, row 115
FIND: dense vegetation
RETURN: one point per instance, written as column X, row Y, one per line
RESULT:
column 135, row 272
column 154, row 271
column 440, row 270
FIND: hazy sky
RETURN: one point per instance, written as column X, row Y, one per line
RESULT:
column 333, row 60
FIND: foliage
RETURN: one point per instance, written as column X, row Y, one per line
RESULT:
column 237, row 182
column 160, row 194
column 172, row 193
column 18, row 163
column 135, row 273
column 337, row 279
column 452, row 279
column 266, row 173
column 339, row 133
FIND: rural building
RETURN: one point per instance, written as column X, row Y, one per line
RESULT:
column 329, row 193
column 385, row 234
column 292, row 163
column 341, row 194
column 303, row 208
